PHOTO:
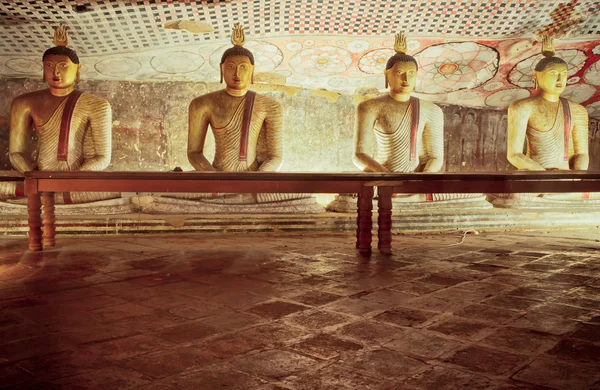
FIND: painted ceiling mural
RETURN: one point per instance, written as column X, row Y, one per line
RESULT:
column 474, row 53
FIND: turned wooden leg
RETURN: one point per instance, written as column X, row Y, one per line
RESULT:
column 384, row 219
column 34, row 209
column 48, row 219
column 365, row 221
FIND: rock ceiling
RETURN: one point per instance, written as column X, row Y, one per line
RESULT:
column 475, row 53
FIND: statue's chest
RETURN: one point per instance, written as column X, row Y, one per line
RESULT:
column 391, row 121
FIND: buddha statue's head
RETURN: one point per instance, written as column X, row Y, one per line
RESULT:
column 61, row 64
column 237, row 62
column 551, row 72
column 401, row 69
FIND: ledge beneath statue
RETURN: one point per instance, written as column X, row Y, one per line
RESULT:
column 345, row 203
column 415, row 222
column 168, row 205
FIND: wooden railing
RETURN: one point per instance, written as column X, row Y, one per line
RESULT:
column 40, row 187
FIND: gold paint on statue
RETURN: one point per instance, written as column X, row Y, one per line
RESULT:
column 86, row 139
column 553, row 130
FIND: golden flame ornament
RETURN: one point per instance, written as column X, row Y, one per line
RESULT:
column 237, row 36
column 60, row 36
column 400, row 46
column 548, row 46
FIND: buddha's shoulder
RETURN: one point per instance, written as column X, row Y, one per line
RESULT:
column 266, row 99
column 267, row 104
column 430, row 108
column 92, row 99
column 375, row 103
column 525, row 103
column 576, row 108
column 30, row 96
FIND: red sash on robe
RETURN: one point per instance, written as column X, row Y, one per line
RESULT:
column 567, row 123
column 65, row 126
column 246, row 119
column 414, row 127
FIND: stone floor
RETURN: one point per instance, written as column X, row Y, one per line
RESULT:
column 292, row 311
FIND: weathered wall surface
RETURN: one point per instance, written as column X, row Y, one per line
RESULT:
column 150, row 128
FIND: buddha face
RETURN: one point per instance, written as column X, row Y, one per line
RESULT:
column 402, row 77
column 553, row 79
column 59, row 71
column 237, row 72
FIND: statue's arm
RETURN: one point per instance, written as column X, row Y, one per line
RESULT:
column 518, row 117
column 364, row 140
column 197, row 128
column 433, row 139
column 581, row 158
column 20, row 125
column 274, row 133
column 100, row 117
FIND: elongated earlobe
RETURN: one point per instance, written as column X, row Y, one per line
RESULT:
column 43, row 77
column 77, row 77
column 252, row 78
column 386, row 82
column 535, row 84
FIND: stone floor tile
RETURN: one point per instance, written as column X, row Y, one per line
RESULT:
column 273, row 363
column 487, row 360
column 370, row 332
column 117, row 312
column 318, row 319
column 521, row 341
column 127, row 347
column 276, row 309
column 63, row 364
column 422, row 344
column 384, row 363
column 544, row 322
column 461, row 328
column 444, row 378
column 325, row 346
column 195, row 311
column 587, row 332
column 511, row 303
column 355, row 306
column 575, row 350
column 230, row 345
column 169, row 362
column 185, row 313
column 486, row 313
column 387, row 297
column 405, row 317
column 111, row 377
column 12, row 375
column 187, row 332
column 416, row 287
column 274, row 333
column 315, row 298
column 558, row 375
column 227, row 320
column 335, row 377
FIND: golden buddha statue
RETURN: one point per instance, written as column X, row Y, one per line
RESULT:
column 553, row 130
column 248, row 133
column 73, row 127
column 397, row 132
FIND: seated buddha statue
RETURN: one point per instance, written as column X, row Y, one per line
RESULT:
column 248, row 133
column 547, row 132
column 397, row 132
column 73, row 128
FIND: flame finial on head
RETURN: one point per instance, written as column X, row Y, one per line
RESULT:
column 400, row 46
column 548, row 46
column 237, row 36
column 60, row 36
